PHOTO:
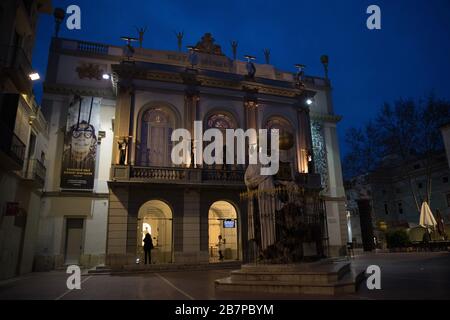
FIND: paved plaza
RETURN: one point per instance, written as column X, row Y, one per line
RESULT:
column 403, row 276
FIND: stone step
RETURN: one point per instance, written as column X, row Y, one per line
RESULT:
column 346, row 284
column 139, row 268
column 308, row 273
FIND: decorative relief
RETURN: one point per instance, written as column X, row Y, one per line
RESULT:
column 320, row 153
column 90, row 71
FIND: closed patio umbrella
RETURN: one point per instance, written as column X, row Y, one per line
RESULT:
column 426, row 217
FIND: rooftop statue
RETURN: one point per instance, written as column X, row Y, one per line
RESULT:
column 207, row 45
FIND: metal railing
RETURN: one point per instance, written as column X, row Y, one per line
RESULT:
column 158, row 173
column 35, row 170
column 175, row 174
column 12, row 145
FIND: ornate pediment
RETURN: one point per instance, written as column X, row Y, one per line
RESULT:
column 207, row 45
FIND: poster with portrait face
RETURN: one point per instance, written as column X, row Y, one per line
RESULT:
column 80, row 143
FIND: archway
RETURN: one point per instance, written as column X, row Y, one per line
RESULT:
column 155, row 217
column 223, row 221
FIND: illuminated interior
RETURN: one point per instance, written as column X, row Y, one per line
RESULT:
column 155, row 217
column 219, row 213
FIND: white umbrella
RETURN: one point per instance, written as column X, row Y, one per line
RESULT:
column 426, row 217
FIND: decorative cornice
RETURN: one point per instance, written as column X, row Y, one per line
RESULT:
column 133, row 72
column 76, row 90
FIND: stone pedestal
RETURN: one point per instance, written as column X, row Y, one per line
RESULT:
column 326, row 277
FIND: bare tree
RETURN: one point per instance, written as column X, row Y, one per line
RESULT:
column 407, row 129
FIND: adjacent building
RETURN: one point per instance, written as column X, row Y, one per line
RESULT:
column 395, row 192
column 23, row 139
column 446, row 136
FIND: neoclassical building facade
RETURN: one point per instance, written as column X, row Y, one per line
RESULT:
column 111, row 179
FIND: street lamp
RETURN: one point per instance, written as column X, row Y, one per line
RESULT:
column 251, row 69
column 192, row 56
column 128, row 49
column 300, row 74
column 59, row 15
column 324, row 60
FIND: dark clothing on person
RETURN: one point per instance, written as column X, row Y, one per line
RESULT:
column 148, row 246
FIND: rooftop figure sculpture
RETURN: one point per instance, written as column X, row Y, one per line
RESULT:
column 141, row 32
column 234, row 45
column 180, row 36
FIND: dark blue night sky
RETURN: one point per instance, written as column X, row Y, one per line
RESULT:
column 409, row 57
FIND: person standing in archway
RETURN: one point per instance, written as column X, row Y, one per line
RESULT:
column 148, row 246
column 221, row 246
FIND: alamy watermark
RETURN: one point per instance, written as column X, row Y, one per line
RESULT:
column 374, row 277
column 74, row 280
column 215, row 152
column 374, row 20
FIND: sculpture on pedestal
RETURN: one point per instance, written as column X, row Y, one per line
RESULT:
column 282, row 214
column 123, row 146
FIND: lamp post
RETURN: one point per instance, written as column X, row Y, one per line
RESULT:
column 324, row 60
column 59, row 15
column 299, row 77
column 193, row 56
column 251, row 69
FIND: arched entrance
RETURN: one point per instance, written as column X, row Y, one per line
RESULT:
column 223, row 221
column 155, row 217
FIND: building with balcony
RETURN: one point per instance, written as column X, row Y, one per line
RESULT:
column 23, row 140
column 111, row 179
column 445, row 130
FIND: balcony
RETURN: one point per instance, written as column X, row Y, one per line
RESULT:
column 176, row 175
column 34, row 172
column 12, row 150
column 16, row 65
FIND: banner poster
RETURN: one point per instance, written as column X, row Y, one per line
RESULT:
column 80, row 143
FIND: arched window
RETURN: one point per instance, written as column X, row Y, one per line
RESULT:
column 155, row 131
column 222, row 121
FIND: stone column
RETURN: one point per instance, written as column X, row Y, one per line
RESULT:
column 304, row 141
column 123, row 121
column 191, row 112
column 251, row 116
column 131, row 156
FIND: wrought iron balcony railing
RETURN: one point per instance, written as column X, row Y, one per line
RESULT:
column 176, row 175
column 12, row 147
column 35, row 171
column 122, row 173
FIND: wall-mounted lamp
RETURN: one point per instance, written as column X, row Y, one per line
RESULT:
column 31, row 120
column 106, row 76
column 34, row 76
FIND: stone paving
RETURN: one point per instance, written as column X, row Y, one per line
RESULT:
column 403, row 276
